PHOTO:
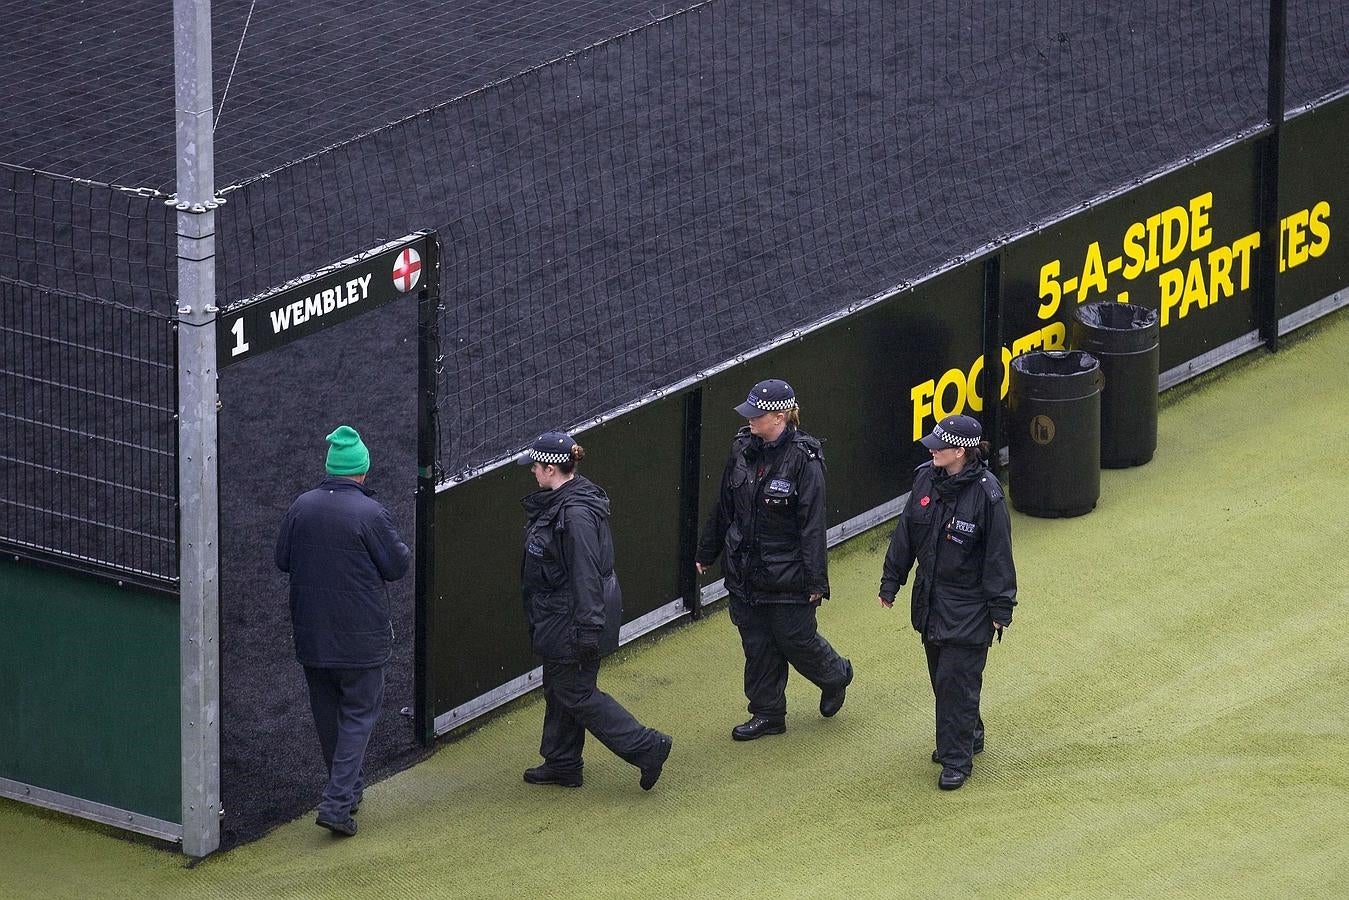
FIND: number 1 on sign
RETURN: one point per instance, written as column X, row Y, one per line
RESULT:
column 240, row 345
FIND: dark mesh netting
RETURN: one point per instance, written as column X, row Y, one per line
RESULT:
column 89, row 86
column 88, row 377
column 655, row 204
column 88, row 432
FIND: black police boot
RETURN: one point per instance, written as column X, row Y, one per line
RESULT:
column 978, row 746
column 831, row 700
column 950, row 779
column 651, row 771
column 757, row 727
column 546, row 774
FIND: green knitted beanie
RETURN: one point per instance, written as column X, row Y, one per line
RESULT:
column 346, row 452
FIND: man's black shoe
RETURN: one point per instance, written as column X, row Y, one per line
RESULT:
column 651, row 773
column 346, row 828
column 757, row 727
column 831, row 701
column 950, row 779
column 546, row 774
column 978, row 748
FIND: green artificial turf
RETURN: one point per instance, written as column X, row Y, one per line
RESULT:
column 1167, row 717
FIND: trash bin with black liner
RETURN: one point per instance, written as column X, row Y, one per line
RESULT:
column 1126, row 340
column 1054, row 433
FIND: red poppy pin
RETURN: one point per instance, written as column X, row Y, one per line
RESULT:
column 925, row 501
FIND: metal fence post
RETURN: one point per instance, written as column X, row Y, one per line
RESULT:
column 990, row 386
column 690, row 478
column 198, row 489
column 428, row 475
column 1271, row 231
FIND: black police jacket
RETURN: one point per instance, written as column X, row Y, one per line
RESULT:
column 769, row 521
column 567, row 576
column 959, row 532
column 340, row 546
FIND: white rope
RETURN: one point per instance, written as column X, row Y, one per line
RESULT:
column 238, row 50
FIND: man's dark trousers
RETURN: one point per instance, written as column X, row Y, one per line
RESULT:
column 574, row 705
column 346, row 705
column 773, row 635
column 957, row 674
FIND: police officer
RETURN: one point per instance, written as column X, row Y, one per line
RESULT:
column 769, row 528
column 573, row 606
column 956, row 527
column 340, row 546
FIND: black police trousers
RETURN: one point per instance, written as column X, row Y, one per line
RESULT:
column 957, row 674
column 773, row 635
column 574, row 705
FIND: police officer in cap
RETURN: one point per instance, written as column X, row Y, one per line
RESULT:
column 956, row 527
column 769, row 528
column 573, row 606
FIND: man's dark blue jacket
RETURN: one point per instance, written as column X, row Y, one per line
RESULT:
column 340, row 546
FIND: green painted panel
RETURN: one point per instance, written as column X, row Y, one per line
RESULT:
column 89, row 690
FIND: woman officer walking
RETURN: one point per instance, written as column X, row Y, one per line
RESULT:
column 956, row 527
column 568, row 581
column 769, row 522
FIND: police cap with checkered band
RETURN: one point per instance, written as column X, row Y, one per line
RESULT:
column 773, row 395
column 954, row 431
column 552, row 448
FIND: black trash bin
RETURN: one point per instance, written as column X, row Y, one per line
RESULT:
column 1054, row 433
column 1126, row 340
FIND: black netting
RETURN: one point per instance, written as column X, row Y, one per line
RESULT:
column 89, row 86
column 88, row 384
column 1317, row 63
column 639, row 210
column 86, row 238
column 660, row 202
column 88, row 432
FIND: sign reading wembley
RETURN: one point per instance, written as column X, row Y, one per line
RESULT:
column 330, row 296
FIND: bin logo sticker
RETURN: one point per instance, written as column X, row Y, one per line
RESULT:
column 407, row 270
column 1042, row 429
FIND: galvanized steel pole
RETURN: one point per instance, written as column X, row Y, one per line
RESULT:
column 198, row 538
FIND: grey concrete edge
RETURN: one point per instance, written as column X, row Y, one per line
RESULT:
column 88, row 809
column 662, row 615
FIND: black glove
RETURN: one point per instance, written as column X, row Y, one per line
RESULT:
column 588, row 643
column 1001, row 612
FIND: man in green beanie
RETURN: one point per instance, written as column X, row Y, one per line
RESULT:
column 340, row 547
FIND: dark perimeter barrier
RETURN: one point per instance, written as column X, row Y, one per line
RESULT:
column 1054, row 433
column 655, row 222
column 1125, row 339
